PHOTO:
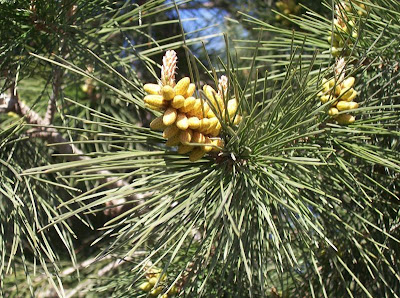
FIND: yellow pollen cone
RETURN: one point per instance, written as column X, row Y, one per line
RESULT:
column 204, row 125
column 325, row 87
column 209, row 91
column 232, row 106
column 333, row 112
column 215, row 132
column 170, row 131
column 173, row 291
column 353, row 95
column 183, row 149
column 280, row 5
column 198, row 137
column 338, row 89
column 205, row 108
column 182, row 121
column 344, row 105
column 193, row 113
column 12, row 114
column 196, row 154
column 152, row 89
column 212, row 96
column 335, row 51
column 207, row 148
column 346, row 94
column 168, row 92
column 188, row 104
column 154, row 108
column 194, row 122
column 210, row 114
column 186, row 136
column 156, row 292
column 200, row 111
column 153, row 280
column 146, row 286
column 348, row 83
column 170, row 116
column 182, row 86
column 345, row 119
column 213, row 124
column 190, row 90
column 155, row 100
column 157, row 124
column 326, row 98
column 220, row 102
column 353, row 105
column 237, row 119
column 217, row 142
column 178, row 102
column 173, row 141
column 197, row 106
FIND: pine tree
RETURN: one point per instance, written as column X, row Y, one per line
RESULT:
column 137, row 161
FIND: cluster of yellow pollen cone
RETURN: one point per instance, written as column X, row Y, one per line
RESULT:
column 154, row 278
column 188, row 122
column 341, row 94
column 345, row 24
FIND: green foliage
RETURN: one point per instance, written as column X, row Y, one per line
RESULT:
column 294, row 205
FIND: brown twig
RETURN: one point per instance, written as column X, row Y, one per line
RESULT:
column 58, row 71
column 51, row 107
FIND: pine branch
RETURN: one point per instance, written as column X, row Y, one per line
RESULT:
column 51, row 108
column 72, row 153
column 58, row 74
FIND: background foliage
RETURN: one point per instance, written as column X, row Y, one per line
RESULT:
column 296, row 205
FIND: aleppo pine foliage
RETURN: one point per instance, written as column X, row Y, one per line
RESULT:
column 291, row 187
